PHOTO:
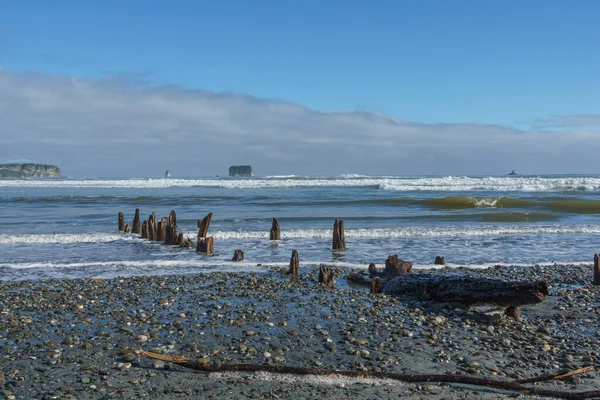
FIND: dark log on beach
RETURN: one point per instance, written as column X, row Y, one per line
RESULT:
column 275, row 233
column 294, row 263
column 121, row 222
column 145, row 230
column 596, row 269
column 136, row 222
column 162, row 230
column 238, row 255
column 326, row 277
column 203, row 226
column 206, row 245
column 127, row 228
column 376, row 286
column 439, row 260
column 339, row 241
column 395, row 266
column 514, row 386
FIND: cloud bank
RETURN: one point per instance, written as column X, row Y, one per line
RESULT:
column 119, row 127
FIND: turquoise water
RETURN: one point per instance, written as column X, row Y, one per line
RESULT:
column 68, row 227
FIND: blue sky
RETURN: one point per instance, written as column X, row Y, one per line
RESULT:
column 527, row 65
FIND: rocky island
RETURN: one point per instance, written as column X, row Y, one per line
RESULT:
column 240, row 170
column 29, row 171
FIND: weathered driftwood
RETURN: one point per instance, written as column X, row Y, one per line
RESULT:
column 145, row 230
column 162, row 230
column 206, row 245
column 514, row 386
column 339, row 241
column 596, row 269
column 121, row 222
column 203, row 226
column 376, row 286
column 439, row 260
column 127, row 228
column 294, row 263
column 275, row 233
column 238, row 255
column 395, row 266
column 136, row 222
column 326, row 276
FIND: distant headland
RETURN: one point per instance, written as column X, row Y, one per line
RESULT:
column 29, row 171
column 240, row 170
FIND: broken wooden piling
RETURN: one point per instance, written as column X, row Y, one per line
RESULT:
column 127, row 228
column 162, row 230
column 326, row 276
column 275, row 233
column 238, row 255
column 121, row 222
column 439, row 261
column 596, row 269
column 294, row 263
column 171, row 236
column 136, row 222
column 376, row 286
column 339, row 241
column 206, row 245
column 145, row 230
column 203, row 226
column 153, row 227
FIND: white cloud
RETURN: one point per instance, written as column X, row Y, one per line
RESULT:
column 117, row 127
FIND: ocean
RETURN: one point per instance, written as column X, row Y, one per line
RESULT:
column 67, row 228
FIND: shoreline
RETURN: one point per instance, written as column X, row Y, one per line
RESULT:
column 74, row 338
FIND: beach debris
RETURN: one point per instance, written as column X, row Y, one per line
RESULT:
column 136, row 222
column 376, row 286
column 395, row 266
column 238, row 255
column 294, row 263
column 339, row 241
column 275, row 233
column 121, row 222
column 596, row 269
column 203, row 226
column 514, row 386
column 439, row 260
column 326, row 276
column 206, row 245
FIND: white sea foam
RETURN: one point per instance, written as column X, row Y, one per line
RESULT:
column 448, row 183
column 25, row 238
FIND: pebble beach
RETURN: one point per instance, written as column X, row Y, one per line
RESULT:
column 77, row 338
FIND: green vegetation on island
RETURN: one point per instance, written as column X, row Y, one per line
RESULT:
column 29, row 171
column 240, row 170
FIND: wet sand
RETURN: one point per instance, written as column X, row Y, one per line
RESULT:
column 68, row 339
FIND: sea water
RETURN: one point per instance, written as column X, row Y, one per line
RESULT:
column 67, row 228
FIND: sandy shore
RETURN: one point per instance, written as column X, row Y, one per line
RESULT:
column 71, row 339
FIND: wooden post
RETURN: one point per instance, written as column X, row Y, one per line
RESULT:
column 121, row 222
column 127, row 228
column 145, row 230
column 439, row 260
column 372, row 269
column 162, row 230
column 206, row 245
column 339, row 241
column 596, row 269
column 294, row 263
column 238, row 255
column 203, row 226
column 152, row 227
column 376, row 286
column 171, row 229
column 136, row 222
column 275, row 233
column 326, row 277
column 180, row 240
column 513, row 311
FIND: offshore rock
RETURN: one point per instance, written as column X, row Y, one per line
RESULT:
column 29, row 171
column 240, row 170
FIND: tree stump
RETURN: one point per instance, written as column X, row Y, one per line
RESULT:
column 145, row 230
column 275, row 233
column 339, row 241
column 376, row 286
column 206, row 245
column 162, row 230
column 294, row 263
column 203, row 226
column 121, row 222
column 326, row 277
column 596, row 269
column 439, row 260
column 127, row 228
column 238, row 255
column 395, row 266
column 136, row 222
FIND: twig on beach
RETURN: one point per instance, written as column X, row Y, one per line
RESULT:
column 557, row 376
column 514, row 386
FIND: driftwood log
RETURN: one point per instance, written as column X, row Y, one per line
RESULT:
column 339, row 241
column 238, row 255
column 514, row 386
column 326, row 276
column 203, row 226
column 294, row 263
column 596, row 269
column 206, row 245
column 136, row 222
column 121, row 222
column 275, row 233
